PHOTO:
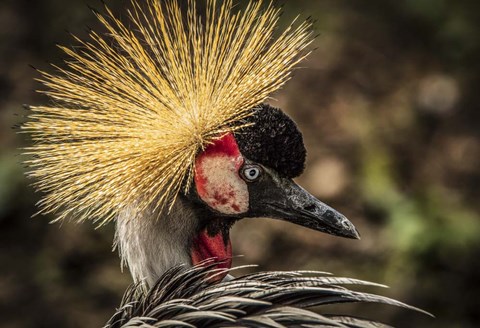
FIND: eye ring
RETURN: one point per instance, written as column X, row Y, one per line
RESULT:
column 251, row 173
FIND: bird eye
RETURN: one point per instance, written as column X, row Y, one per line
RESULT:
column 251, row 173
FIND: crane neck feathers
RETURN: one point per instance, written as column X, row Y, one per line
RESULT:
column 149, row 242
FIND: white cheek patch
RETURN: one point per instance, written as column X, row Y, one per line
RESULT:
column 220, row 186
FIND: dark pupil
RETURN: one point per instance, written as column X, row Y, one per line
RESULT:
column 252, row 173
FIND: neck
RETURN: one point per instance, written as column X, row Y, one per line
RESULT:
column 150, row 243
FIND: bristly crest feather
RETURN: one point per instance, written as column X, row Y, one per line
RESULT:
column 132, row 110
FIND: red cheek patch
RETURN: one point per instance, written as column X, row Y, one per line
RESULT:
column 217, row 180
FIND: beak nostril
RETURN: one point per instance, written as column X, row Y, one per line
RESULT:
column 310, row 208
column 329, row 215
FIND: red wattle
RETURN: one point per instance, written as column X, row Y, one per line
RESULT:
column 217, row 247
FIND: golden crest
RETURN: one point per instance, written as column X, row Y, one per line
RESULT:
column 133, row 108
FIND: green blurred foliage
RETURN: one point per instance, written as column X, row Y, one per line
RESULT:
column 389, row 107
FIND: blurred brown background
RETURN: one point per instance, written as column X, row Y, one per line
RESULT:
column 389, row 106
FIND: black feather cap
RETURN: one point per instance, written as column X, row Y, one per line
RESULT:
column 273, row 140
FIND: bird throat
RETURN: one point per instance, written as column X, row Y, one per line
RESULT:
column 213, row 242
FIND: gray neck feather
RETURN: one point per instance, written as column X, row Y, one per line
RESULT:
column 150, row 242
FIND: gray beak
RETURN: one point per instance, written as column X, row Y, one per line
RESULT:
column 283, row 199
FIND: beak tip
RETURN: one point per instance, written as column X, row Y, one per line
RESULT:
column 348, row 229
column 357, row 235
column 353, row 234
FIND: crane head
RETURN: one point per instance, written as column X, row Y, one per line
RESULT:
column 162, row 102
column 249, row 174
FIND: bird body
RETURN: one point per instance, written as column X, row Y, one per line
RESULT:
column 186, row 297
column 227, row 187
column 162, row 128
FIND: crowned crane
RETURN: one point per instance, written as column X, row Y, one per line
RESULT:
column 246, row 174
column 162, row 127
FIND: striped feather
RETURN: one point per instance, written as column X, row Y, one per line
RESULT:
column 185, row 297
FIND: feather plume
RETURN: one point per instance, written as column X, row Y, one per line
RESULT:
column 186, row 297
column 132, row 109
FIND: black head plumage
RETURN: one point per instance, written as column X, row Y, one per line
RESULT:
column 273, row 140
